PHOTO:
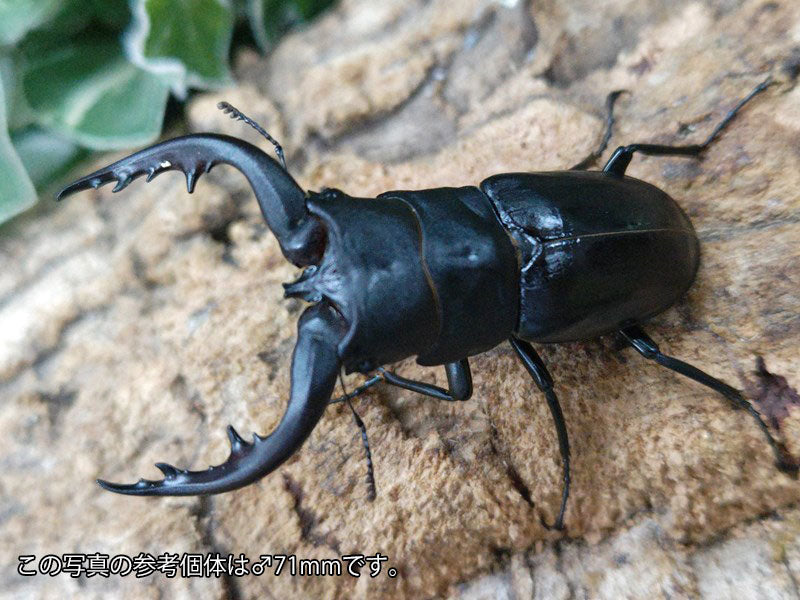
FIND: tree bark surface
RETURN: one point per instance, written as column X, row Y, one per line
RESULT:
column 134, row 328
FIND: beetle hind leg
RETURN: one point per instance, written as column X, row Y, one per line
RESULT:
column 595, row 154
column 622, row 156
column 645, row 346
column 537, row 370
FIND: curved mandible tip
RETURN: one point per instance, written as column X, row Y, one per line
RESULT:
column 315, row 365
column 191, row 154
column 282, row 201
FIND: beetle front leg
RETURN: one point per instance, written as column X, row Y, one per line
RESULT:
column 459, row 383
column 459, row 380
column 315, row 365
column 535, row 367
column 645, row 346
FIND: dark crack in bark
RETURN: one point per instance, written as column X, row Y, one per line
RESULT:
column 516, row 480
column 180, row 389
column 792, row 578
column 558, row 549
column 308, row 518
column 57, row 403
column 206, row 526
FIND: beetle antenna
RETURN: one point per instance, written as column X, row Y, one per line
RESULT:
column 235, row 113
column 371, row 493
column 359, row 390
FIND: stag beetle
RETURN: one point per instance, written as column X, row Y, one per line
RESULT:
column 444, row 274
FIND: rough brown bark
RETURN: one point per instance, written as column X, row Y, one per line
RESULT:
column 133, row 328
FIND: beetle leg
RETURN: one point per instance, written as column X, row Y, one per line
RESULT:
column 645, row 346
column 594, row 155
column 459, row 382
column 537, row 370
column 622, row 156
column 359, row 390
column 315, row 364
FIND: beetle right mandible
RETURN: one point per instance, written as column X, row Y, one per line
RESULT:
column 447, row 273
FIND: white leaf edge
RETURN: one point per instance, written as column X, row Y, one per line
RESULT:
column 38, row 15
column 171, row 70
column 81, row 98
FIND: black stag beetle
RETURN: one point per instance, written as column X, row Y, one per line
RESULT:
column 444, row 274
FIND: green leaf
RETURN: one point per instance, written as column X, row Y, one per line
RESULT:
column 17, row 17
column 90, row 93
column 309, row 9
column 18, row 113
column 45, row 154
column 16, row 189
column 114, row 13
column 269, row 19
column 185, row 41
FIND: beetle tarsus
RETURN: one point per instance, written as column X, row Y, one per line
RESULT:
column 370, row 479
column 460, row 388
column 359, row 390
column 645, row 346
column 371, row 491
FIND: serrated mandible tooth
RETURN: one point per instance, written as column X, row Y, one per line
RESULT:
column 237, row 442
column 121, row 184
column 191, row 180
column 169, row 471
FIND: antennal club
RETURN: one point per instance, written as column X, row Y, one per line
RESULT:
column 235, row 113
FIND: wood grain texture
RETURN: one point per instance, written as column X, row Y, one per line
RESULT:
column 134, row 328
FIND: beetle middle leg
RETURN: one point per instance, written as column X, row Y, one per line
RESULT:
column 645, row 346
column 622, row 156
column 537, row 370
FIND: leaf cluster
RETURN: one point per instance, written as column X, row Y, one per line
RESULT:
column 83, row 75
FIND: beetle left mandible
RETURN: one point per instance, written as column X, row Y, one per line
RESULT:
column 444, row 274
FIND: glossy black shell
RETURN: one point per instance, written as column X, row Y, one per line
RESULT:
column 597, row 251
column 429, row 273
